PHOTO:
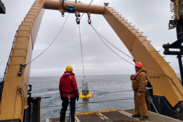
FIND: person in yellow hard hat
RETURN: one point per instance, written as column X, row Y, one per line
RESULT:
column 68, row 91
column 139, row 86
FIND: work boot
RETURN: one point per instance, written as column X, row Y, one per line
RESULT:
column 144, row 118
column 135, row 116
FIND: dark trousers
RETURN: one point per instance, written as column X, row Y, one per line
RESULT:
column 65, row 103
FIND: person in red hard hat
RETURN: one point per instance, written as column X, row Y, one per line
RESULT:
column 68, row 91
column 139, row 86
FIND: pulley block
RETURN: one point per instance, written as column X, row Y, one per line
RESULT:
column 78, row 21
column 89, row 21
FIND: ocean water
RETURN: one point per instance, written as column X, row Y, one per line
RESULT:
column 109, row 92
column 103, row 88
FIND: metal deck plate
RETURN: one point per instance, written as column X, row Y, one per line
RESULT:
column 89, row 118
column 154, row 117
column 114, row 115
column 117, row 115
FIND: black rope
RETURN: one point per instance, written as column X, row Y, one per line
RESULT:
column 51, row 42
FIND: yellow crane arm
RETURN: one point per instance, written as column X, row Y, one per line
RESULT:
column 13, row 103
column 142, row 50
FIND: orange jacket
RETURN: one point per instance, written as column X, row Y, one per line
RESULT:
column 139, row 82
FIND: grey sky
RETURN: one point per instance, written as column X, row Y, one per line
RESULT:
column 150, row 17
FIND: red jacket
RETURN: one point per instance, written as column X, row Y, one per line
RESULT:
column 68, row 85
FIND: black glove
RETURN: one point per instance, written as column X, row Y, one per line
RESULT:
column 61, row 97
column 77, row 98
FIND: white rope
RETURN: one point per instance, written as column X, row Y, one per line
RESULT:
column 81, row 51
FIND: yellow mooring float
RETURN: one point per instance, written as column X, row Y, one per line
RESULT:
column 85, row 91
column 89, row 95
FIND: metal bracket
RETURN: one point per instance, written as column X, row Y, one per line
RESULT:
column 78, row 21
column 21, row 68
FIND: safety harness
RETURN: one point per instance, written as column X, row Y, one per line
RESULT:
column 138, row 73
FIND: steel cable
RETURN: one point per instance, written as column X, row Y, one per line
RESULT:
column 81, row 40
column 109, row 47
column 51, row 42
column 150, row 69
column 81, row 51
column 154, row 105
column 86, row 9
column 112, row 44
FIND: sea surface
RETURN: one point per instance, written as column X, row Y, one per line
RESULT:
column 109, row 92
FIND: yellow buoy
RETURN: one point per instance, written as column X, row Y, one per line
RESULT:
column 89, row 95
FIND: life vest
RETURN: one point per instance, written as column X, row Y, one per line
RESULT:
column 138, row 73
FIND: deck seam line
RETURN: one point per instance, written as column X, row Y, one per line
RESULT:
column 102, row 116
column 127, row 114
column 77, row 120
column 47, row 119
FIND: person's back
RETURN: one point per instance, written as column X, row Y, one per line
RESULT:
column 68, row 91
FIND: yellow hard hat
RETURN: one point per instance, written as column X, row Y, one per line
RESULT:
column 69, row 68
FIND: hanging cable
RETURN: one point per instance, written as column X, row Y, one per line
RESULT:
column 154, row 105
column 51, row 42
column 149, row 69
column 86, row 9
column 81, row 40
column 81, row 52
column 111, row 43
column 110, row 48
column 62, row 4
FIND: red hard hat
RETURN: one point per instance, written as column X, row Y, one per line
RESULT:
column 138, row 64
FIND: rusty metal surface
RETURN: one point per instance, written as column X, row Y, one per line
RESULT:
column 89, row 118
column 119, row 121
column 153, row 117
column 116, row 116
column 57, row 119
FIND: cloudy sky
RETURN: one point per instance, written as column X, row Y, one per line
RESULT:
column 150, row 17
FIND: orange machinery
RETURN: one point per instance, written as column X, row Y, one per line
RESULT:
column 15, row 105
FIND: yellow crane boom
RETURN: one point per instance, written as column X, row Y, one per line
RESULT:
column 14, row 98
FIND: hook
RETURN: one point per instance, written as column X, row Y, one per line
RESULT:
column 62, row 14
column 89, row 20
column 78, row 21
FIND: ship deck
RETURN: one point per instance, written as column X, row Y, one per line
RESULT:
column 115, row 115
